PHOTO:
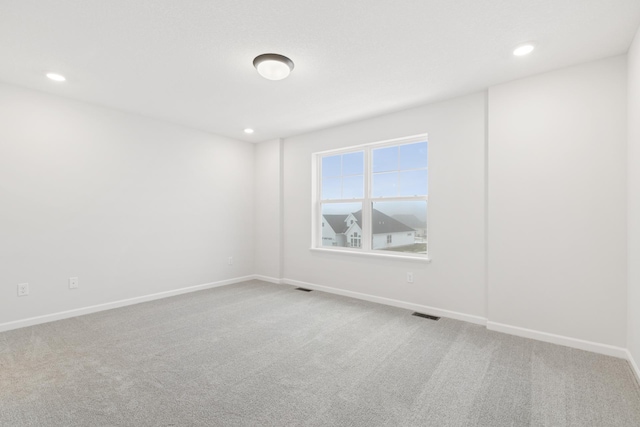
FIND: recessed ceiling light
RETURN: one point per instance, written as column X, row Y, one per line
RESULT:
column 525, row 49
column 273, row 66
column 56, row 77
column 248, row 130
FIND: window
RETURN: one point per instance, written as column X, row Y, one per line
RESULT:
column 373, row 197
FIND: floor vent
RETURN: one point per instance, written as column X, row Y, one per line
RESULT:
column 303, row 289
column 426, row 316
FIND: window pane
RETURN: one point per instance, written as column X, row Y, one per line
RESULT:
column 413, row 156
column 385, row 184
column 342, row 225
column 413, row 183
column 385, row 159
column 331, row 188
column 353, row 187
column 342, row 176
column 399, row 226
column 331, row 166
column 353, row 163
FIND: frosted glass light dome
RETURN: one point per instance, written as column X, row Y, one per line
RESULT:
column 273, row 66
column 523, row 50
column 56, row 77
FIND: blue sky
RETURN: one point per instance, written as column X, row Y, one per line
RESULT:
column 397, row 171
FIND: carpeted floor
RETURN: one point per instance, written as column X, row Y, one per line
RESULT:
column 258, row 354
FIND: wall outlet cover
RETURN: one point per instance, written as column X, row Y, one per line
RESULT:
column 23, row 289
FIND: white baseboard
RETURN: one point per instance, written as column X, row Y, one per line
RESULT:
column 634, row 365
column 115, row 304
column 605, row 349
column 594, row 347
column 608, row 350
column 267, row 279
column 388, row 301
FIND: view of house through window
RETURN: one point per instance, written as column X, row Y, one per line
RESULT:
column 400, row 226
column 342, row 224
column 374, row 197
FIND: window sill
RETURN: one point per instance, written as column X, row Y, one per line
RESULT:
column 372, row 254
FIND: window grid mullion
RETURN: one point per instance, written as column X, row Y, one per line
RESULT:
column 318, row 205
column 366, row 203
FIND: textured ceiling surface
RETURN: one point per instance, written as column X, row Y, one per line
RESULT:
column 190, row 61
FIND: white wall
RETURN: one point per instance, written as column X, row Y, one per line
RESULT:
column 633, row 123
column 268, row 218
column 454, row 280
column 134, row 206
column 131, row 206
column 555, row 197
column 557, row 202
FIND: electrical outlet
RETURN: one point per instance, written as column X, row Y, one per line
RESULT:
column 409, row 277
column 23, row 289
column 230, row 260
column 73, row 283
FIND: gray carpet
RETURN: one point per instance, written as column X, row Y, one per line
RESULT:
column 258, row 354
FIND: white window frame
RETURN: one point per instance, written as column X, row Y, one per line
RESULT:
column 366, row 202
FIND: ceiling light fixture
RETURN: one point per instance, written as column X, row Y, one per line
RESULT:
column 525, row 49
column 248, row 130
column 56, row 77
column 273, row 66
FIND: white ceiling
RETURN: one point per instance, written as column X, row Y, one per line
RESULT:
column 190, row 61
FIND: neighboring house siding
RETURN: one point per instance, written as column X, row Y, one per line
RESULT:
column 380, row 241
column 332, row 229
column 328, row 235
column 354, row 234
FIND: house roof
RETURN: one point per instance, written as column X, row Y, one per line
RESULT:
column 382, row 223
column 411, row 220
column 337, row 222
